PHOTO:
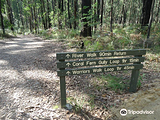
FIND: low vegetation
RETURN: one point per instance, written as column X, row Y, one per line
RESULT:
column 129, row 37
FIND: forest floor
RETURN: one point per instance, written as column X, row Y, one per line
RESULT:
column 29, row 86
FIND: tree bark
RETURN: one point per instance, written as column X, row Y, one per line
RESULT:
column 32, row 19
column 20, row 9
column 48, row 11
column 2, row 24
column 158, row 11
column 146, row 12
column 124, row 13
column 111, row 16
column 10, row 15
column 53, row 8
column 75, row 13
column 150, row 20
column 86, row 6
column 35, row 17
column 102, row 14
column 69, row 16
column 42, row 14
column 60, row 3
column 96, row 14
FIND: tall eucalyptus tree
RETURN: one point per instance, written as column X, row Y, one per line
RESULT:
column 86, row 7
column 2, row 23
column 10, row 14
column 146, row 12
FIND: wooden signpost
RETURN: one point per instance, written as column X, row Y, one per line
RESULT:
column 97, row 62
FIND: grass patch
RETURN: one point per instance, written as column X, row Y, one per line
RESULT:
column 112, row 82
column 80, row 102
column 141, row 78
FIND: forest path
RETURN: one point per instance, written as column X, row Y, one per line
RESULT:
column 29, row 86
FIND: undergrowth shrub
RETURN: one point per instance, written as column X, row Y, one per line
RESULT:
column 114, row 83
column 72, row 33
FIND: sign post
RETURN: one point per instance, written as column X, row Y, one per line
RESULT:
column 63, row 87
column 98, row 62
column 134, row 77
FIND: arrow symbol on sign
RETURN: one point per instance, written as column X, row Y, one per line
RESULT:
column 67, row 55
column 68, row 64
column 68, row 73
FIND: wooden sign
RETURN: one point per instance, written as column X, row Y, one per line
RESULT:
column 95, row 62
column 112, row 53
column 99, row 62
column 98, row 69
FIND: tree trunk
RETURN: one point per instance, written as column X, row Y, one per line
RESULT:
column 158, row 11
column 146, row 12
column 69, row 16
column 32, row 19
column 98, row 9
column 42, row 15
column 95, row 16
column 150, row 20
column 35, row 17
column 2, row 24
column 86, row 6
column 20, row 9
column 97, row 13
column 53, row 8
column 130, row 11
column 111, row 14
column 10, row 15
column 48, row 11
column 75, row 13
column 62, row 9
column 60, row 3
column 30, row 24
column 102, row 14
column 124, row 13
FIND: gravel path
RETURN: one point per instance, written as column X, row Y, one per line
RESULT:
column 28, row 81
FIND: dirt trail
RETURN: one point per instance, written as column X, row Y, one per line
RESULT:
column 146, row 101
column 29, row 87
column 28, row 81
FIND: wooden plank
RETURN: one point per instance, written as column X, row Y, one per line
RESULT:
column 111, row 53
column 134, row 78
column 80, row 71
column 93, row 62
column 63, row 91
column 63, row 88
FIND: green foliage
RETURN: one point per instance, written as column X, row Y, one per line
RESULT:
column 91, row 101
column 123, row 42
column 119, row 31
column 8, row 34
column 79, row 102
column 48, row 34
column 2, row 5
column 71, row 33
column 110, row 82
column 140, row 80
column 85, row 7
column 6, row 22
column 114, row 83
